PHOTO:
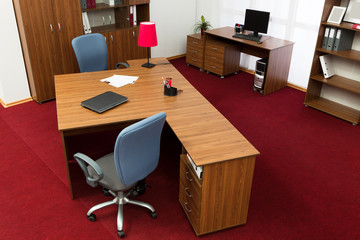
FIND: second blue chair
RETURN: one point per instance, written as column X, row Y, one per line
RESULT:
column 92, row 53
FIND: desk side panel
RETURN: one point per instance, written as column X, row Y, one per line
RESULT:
column 278, row 69
column 226, row 191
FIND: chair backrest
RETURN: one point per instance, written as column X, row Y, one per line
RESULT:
column 91, row 52
column 137, row 149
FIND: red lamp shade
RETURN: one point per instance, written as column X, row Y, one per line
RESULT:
column 147, row 35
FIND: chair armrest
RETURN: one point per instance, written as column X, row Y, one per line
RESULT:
column 122, row 63
column 81, row 159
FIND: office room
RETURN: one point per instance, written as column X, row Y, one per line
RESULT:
column 291, row 166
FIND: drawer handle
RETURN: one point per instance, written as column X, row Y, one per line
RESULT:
column 213, row 58
column 194, row 60
column 195, row 42
column 187, row 193
column 213, row 67
column 189, row 210
column 194, row 51
column 187, row 177
column 215, row 49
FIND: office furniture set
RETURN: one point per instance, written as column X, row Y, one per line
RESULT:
column 218, row 52
column 217, row 200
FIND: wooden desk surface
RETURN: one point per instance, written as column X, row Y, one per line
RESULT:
column 206, row 135
column 269, row 43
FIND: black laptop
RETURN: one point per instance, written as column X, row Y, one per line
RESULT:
column 104, row 101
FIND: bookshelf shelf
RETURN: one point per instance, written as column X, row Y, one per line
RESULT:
column 339, row 82
column 103, row 6
column 335, row 109
column 348, row 54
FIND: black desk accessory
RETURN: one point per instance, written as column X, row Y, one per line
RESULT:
column 104, row 101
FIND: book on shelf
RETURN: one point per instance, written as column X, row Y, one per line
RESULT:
column 344, row 40
column 325, row 38
column 86, row 23
column 331, row 38
column 327, row 66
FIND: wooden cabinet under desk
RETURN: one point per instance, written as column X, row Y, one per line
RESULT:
column 220, row 199
column 221, row 58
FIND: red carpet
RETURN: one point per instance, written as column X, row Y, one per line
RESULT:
column 306, row 180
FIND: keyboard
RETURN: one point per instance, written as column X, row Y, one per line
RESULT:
column 248, row 37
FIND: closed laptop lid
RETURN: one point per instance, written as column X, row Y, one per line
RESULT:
column 104, row 101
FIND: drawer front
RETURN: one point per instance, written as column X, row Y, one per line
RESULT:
column 194, row 51
column 195, row 43
column 189, row 178
column 216, row 58
column 195, row 61
column 213, row 49
column 190, row 192
column 191, row 209
column 214, row 67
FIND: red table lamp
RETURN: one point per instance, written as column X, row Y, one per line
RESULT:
column 147, row 38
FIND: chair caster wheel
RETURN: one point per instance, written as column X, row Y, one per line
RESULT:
column 121, row 234
column 106, row 192
column 153, row 214
column 92, row 217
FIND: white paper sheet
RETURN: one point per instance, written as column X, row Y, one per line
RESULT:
column 120, row 80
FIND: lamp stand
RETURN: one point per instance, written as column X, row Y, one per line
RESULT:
column 148, row 65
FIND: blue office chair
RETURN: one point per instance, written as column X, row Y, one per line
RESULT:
column 136, row 155
column 92, row 53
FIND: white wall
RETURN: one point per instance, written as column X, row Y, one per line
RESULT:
column 13, row 80
column 174, row 20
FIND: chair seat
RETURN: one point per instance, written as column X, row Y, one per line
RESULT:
column 111, row 178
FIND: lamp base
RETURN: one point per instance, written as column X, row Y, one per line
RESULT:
column 148, row 65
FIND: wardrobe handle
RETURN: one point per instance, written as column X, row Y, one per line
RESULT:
column 59, row 27
column 112, row 38
column 51, row 28
column 133, row 33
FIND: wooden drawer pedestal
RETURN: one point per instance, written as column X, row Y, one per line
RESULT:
column 195, row 51
column 220, row 199
column 221, row 58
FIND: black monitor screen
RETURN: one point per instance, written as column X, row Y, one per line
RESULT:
column 256, row 21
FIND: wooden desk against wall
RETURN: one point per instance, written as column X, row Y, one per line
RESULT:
column 217, row 201
column 277, row 50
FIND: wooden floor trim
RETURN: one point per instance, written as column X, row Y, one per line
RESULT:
column 6, row 105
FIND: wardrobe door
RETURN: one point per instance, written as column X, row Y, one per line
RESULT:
column 37, row 27
column 68, row 26
column 136, row 51
column 118, row 47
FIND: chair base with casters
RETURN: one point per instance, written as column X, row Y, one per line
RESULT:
column 122, row 173
column 120, row 200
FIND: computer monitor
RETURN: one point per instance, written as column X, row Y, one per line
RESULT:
column 256, row 21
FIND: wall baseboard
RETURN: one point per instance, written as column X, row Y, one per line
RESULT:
column 175, row 57
column 15, row 103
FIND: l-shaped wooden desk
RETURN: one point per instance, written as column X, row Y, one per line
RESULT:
column 217, row 201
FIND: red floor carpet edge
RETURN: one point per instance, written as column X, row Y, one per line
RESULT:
column 305, row 186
